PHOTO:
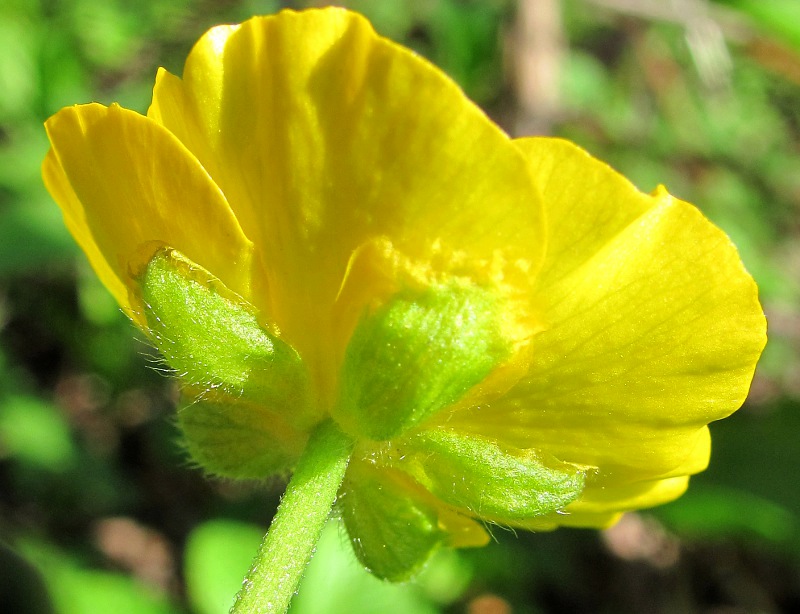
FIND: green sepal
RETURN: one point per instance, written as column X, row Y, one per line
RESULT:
column 418, row 354
column 492, row 482
column 393, row 531
column 213, row 341
column 239, row 441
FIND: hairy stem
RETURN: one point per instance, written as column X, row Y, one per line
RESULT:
column 292, row 537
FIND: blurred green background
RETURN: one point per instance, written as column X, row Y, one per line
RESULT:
column 100, row 510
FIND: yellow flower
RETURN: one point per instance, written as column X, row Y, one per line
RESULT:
column 313, row 221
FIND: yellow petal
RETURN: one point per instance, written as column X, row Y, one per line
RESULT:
column 604, row 502
column 653, row 328
column 587, row 520
column 587, row 204
column 62, row 192
column 601, row 498
column 123, row 181
column 325, row 137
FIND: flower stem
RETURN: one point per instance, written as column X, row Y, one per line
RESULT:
column 293, row 534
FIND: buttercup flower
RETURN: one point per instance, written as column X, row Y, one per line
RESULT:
column 314, row 224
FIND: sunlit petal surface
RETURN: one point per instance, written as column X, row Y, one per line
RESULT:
column 652, row 329
column 124, row 183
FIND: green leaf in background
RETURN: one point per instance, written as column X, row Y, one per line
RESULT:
column 18, row 86
column 75, row 589
column 22, row 588
column 778, row 17
column 31, row 236
column 219, row 553
column 335, row 583
column 714, row 511
column 217, row 557
column 35, row 432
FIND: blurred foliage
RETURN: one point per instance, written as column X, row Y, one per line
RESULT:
column 95, row 492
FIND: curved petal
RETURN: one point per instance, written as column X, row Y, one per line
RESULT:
column 324, row 136
column 603, row 505
column 600, row 520
column 653, row 328
column 587, row 204
column 59, row 187
column 599, row 499
column 123, row 183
